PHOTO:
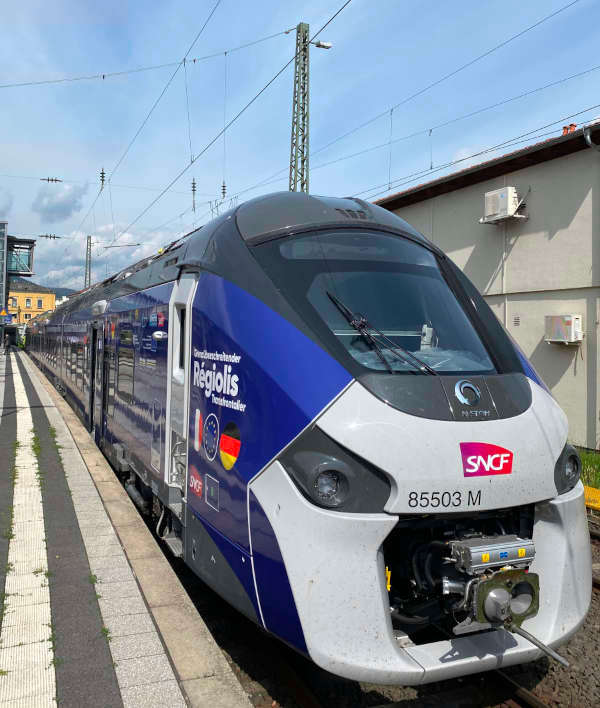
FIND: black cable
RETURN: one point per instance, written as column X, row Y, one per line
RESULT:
column 480, row 152
column 231, row 122
column 162, row 93
column 447, row 76
column 108, row 75
column 275, row 177
column 464, row 116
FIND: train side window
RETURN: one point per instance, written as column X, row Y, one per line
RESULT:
column 110, row 353
column 126, row 364
column 80, row 366
column 179, row 341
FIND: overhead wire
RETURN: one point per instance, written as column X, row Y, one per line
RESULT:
column 156, row 102
column 187, row 105
column 274, row 177
column 447, row 76
column 162, row 93
column 518, row 138
column 107, row 75
column 230, row 123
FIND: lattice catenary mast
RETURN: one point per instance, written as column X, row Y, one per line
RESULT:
column 88, row 263
column 300, row 113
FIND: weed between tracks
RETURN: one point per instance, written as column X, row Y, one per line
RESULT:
column 590, row 463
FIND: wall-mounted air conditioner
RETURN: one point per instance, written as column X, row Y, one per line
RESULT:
column 564, row 329
column 501, row 204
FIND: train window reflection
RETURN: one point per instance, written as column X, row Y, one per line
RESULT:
column 391, row 281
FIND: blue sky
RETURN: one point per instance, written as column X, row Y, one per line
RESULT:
column 383, row 51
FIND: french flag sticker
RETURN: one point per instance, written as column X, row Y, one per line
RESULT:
column 198, row 431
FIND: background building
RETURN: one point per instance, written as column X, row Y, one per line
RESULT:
column 26, row 300
column 547, row 263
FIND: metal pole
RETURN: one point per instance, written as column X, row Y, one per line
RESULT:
column 88, row 263
column 300, row 113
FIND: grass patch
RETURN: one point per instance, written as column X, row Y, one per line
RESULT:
column 590, row 467
column 37, row 448
column 106, row 633
column 93, row 579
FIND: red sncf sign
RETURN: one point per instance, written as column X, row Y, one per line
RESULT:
column 479, row 459
column 195, row 483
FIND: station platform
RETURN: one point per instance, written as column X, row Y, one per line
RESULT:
column 91, row 612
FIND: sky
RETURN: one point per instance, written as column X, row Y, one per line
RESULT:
column 383, row 52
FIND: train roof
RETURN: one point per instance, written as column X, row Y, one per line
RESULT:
column 257, row 220
column 268, row 216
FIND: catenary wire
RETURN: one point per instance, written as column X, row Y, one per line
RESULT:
column 456, row 71
column 275, row 177
column 230, row 123
column 527, row 135
column 162, row 93
column 156, row 102
column 108, row 75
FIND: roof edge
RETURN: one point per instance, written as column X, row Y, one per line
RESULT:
column 511, row 162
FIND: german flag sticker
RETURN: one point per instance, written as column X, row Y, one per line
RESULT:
column 229, row 445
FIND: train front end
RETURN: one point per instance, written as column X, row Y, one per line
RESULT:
column 430, row 517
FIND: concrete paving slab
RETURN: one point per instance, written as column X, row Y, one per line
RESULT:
column 155, row 695
column 119, row 590
column 161, row 587
column 144, row 670
column 122, row 606
column 216, row 692
column 134, row 646
column 139, row 545
column 124, row 625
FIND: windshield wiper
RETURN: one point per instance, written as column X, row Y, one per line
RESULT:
column 362, row 325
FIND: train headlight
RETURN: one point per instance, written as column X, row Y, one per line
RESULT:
column 327, row 485
column 567, row 469
column 331, row 476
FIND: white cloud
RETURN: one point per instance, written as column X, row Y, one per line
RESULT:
column 56, row 203
column 6, row 202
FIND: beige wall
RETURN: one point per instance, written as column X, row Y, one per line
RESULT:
column 547, row 265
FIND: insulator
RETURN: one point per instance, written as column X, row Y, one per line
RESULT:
column 223, row 189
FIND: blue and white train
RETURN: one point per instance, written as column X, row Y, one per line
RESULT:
column 338, row 436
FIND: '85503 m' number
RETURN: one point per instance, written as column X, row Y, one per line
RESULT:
column 444, row 500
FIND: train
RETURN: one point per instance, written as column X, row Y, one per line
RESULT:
column 333, row 430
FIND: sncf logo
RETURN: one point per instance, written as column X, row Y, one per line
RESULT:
column 480, row 459
column 195, row 481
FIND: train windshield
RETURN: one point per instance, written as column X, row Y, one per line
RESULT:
column 381, row 297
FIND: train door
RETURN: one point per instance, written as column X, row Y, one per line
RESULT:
column 178, row 390
column 99, row 409
column 91, row 373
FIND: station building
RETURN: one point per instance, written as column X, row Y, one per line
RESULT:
column 27, row 300
column 525, row 228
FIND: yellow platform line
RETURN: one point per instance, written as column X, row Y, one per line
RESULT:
column 592, row 498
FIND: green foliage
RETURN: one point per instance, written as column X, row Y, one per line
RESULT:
column 590, row 467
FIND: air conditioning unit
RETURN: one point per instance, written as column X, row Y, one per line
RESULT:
column 500, row 204
column 564, row 329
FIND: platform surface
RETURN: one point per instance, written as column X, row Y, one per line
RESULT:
column 91, row 613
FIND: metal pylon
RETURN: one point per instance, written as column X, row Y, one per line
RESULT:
column 88, row 263
column 300, row 113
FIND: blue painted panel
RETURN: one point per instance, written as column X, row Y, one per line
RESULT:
column 237, row 558
column 132, row 423
column 253, row 374
column 276, row 598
